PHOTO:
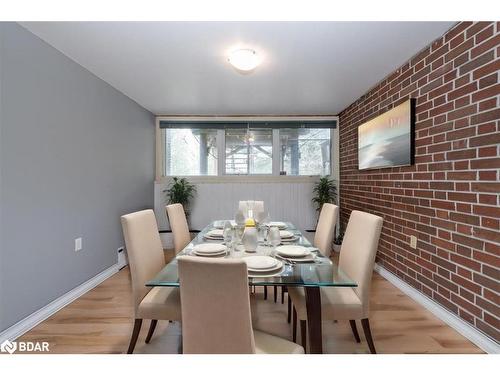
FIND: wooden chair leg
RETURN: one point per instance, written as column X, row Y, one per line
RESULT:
column 265, row 292
column 152, row 327
column 275, row 293
column 289, row 312
column 354, row 330
column 303, row 334
column 294, row 325
column 368, row 334
column 135, row 335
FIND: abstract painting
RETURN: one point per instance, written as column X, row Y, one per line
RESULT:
column 388, row 139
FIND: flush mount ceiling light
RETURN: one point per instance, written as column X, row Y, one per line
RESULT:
column 244, row 59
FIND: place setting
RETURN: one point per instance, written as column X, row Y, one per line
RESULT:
column 287, row 236
column 214, row 235
column 279, row 224
column 294, row 254
column 220, row 224
column 210, row 250
column 263, row 266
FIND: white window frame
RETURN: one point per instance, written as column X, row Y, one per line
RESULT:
column 221, row 150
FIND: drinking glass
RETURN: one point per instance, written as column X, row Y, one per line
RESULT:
column 228, row 233
column 234, row 240
column 238, row 232
column 274, row 237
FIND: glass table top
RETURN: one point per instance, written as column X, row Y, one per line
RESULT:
column 321, row 272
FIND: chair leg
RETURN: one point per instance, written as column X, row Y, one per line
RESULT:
column 303, row 334
column 135, row 335
column 354, row 330
column 289, row 312
column 283, row 294
column 275, row 293
column 152, row 327
column 265, row 292
column 294, row 325
column 368, row 334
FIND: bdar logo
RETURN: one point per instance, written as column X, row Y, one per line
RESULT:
column 8, row 347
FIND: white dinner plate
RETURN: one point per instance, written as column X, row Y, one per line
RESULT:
column 286, row 234
column 293, row 251
column 219, row 224
column 289, row 239
column 260, row 263
column 306, row 259
column 209, row 248
column 279, row 224
column 214, row 234
column 266, row 274
column 276, row 268
column 209, row 254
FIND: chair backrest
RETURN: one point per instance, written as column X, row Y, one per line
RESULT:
column 359, row 247
column 325, row 229
column 215, row 304
column 144, row 250
column 179, row 226
column 258, row 206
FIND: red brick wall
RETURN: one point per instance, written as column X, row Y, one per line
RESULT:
column 450, row 198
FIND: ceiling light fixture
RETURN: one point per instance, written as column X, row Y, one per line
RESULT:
column 244, row 59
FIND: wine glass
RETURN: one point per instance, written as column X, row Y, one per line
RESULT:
column 263, row 233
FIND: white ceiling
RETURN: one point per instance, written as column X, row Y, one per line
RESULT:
column 182, row 68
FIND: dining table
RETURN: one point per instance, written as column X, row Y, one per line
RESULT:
column 320, row 272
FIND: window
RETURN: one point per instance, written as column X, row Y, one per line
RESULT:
column 233, row 146
column 304, row 151
column 249, row 151
column 190, row 152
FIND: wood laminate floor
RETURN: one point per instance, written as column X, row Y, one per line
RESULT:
column 101, row 322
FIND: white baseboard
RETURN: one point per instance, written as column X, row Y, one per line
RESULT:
column 458, row 324
column 23, row 326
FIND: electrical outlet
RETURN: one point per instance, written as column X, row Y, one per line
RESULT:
column 78, row 244
column 413, row 242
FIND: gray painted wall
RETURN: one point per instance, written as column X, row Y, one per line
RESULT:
column 75, row 154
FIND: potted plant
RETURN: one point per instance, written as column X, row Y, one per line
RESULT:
column 180, row 191
column 325, row 191
column 337, row 242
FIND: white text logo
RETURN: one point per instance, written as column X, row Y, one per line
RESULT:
column 24, row 346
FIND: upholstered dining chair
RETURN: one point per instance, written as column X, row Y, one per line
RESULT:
column 323, row 240
column 216, row 316
column 179, row 226
column 357, row 257
column 146, row 259
column 258, row 206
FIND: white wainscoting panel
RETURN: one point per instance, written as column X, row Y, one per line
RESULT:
column 219, row 200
